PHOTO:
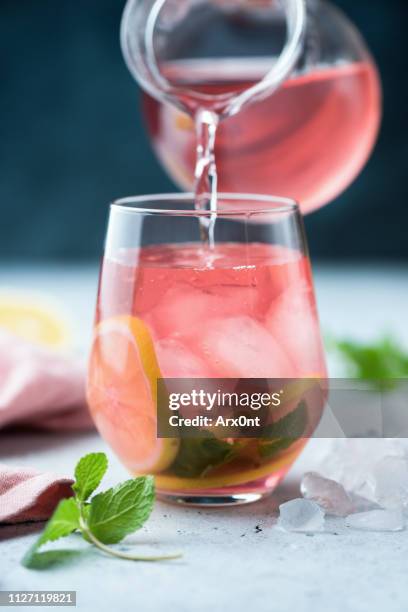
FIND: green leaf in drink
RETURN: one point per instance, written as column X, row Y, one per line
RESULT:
column 282, row 434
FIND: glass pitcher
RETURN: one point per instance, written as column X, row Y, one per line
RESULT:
column 295, row 87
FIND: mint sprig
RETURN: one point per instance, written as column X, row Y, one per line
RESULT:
column 381, row 362
column 106, row 518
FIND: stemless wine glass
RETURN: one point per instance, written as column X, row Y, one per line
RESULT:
column 170, row 308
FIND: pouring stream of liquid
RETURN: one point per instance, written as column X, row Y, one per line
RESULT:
column 206, row 174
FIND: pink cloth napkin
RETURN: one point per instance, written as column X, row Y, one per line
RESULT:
column 43, row 389
column 29, row 495
column 40, row 388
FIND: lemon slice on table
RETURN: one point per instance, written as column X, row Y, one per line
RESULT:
column 35, row 318
column 122, row 394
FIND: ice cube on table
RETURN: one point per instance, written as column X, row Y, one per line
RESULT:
column 301, row 515
column 377, row 520
column 362, row 504
column 351, row 461
column 327, row 493
column 242, row 347
column 389, row 481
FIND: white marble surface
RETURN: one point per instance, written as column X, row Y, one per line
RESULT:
column 228, row 562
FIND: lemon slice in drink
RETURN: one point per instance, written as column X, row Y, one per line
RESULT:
column 122, row 394
column 34, row 318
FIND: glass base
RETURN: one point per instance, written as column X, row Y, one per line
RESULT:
column 211, row 501
column 236, row 495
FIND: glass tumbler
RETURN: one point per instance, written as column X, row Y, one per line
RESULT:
column 170, row 307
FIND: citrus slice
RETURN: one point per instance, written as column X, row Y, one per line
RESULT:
column 33, row 318
column 122, row 394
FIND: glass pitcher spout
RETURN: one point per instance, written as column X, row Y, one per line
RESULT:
column 150, row 35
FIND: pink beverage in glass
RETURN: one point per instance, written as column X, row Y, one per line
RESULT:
column 309, row 140
column 244, row 310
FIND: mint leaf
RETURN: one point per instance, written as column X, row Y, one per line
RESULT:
column 197, row 456
column 88, row 474
column 280, row 435
column 292, row 425
column 121, row 510
column 267, row 451
column 48, row 558
column 64, row 521
column 379, row 362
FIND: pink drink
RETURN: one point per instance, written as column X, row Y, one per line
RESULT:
column 308, row 141
column 170, row 311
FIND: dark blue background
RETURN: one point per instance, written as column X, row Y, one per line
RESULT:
column 72, row 137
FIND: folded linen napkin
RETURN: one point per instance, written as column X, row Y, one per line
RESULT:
column 40, row 387
column 44, row 389
column 29, row 495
